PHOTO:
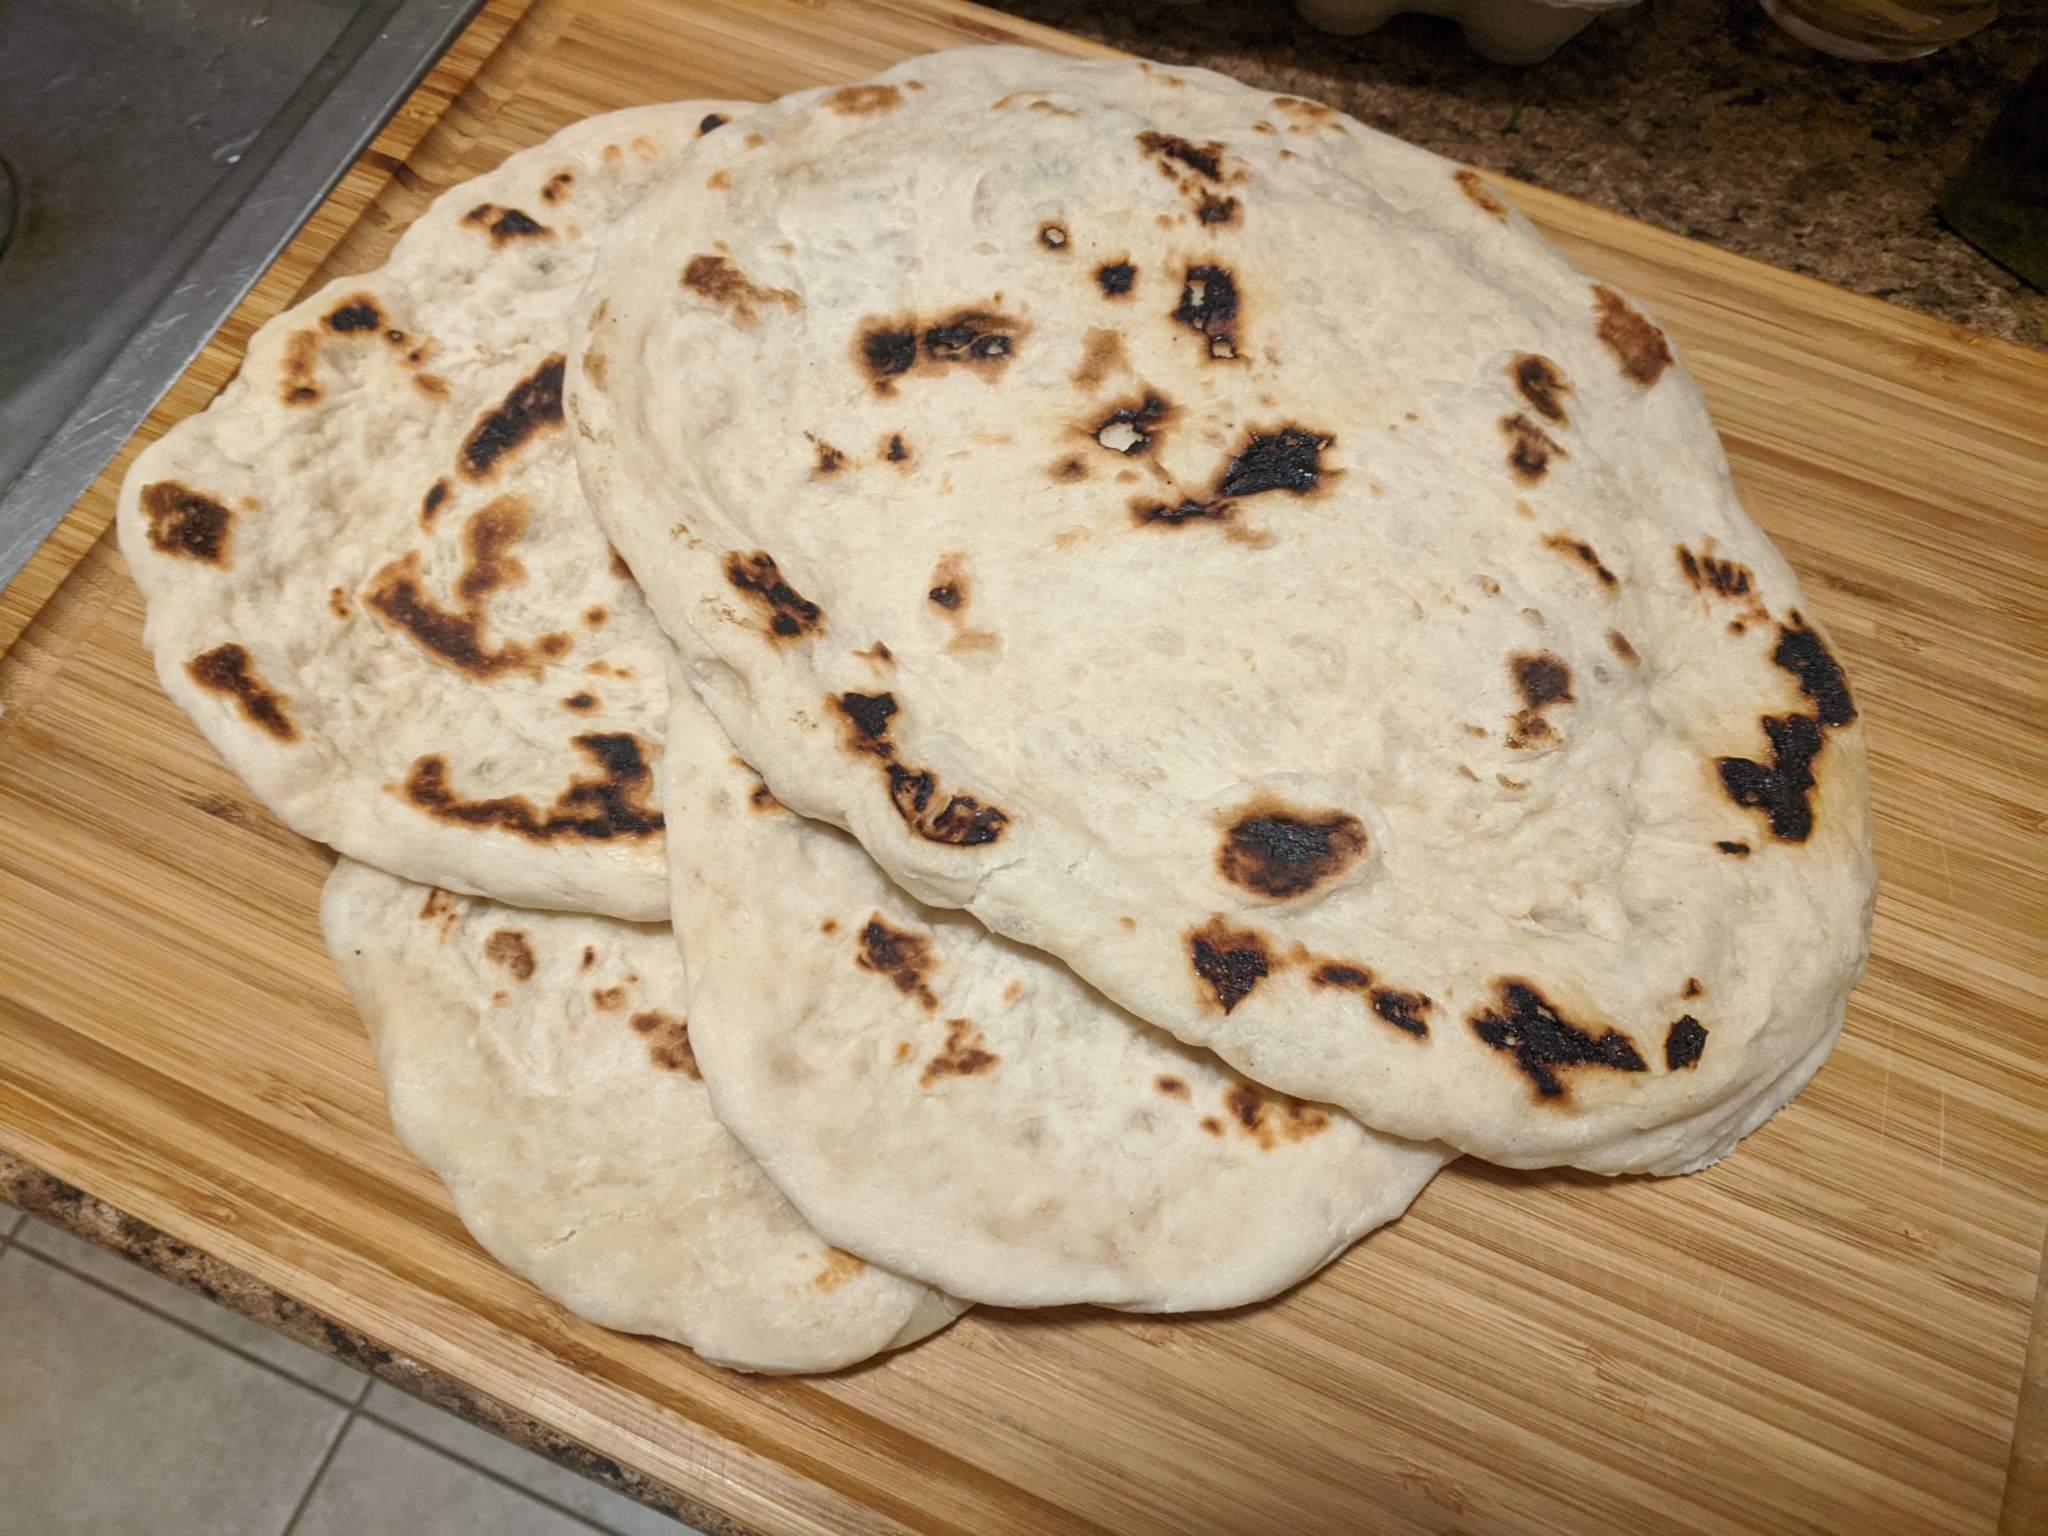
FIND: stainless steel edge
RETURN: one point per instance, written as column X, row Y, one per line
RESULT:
column 358, row 84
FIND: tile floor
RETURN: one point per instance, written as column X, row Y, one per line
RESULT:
column 129, row 1405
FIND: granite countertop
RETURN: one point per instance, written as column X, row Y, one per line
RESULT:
column 1698, row 116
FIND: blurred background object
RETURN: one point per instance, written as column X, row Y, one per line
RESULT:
column 1702, row 117
column 1505, row 31
column 1881, row 31
column 1999, row 201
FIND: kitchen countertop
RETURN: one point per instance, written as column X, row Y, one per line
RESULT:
column 50, row 1199
column 1698, row 116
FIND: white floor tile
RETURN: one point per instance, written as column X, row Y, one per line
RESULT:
column 113, row 1420
column 211, row 1319
column 380, row 1481
column 593, row 1501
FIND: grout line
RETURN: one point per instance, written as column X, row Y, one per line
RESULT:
column 312, row 1483
column 198, row 1333
column 478, row 1467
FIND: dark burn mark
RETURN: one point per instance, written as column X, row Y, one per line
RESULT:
column 1053, row 236
column 1216, row 210
column 719, row 281
column 1709, row 573
column 225, row 669
column 1684, row 1041
column 1281, row 851
column 399, row 595
column 504, row 224
column 787, row 612
column 1070, row 468
column 1246, row 1104
column 1530, row 448
column 1270, row 1119
column 1523, row 1022
column 1212, row 1125
column 888, row 352
column 712, row 121
column 1335, row 973
column 1115, row 278
column 1287, row 460
column 869, row 715
column 668, row 1042
column 1801, row 652
column 905, row 958
column 556, row 187
column 829, row 459
column 187, row 525
column 533, row 407
column 1482, row 197
column 1734, row 850
column 357, row 314
column 301, row 354
column 1403, row 1010
column 1205, row 160
column 970, row 337
column 1617, row 642
column 580, row 703
column 509, row 948
column 982, row 339
column 612, row 805
column 589, row 958
column 1543, row 680
column 895, row 450
column 951, row 586
column 1585, row 554
column 1692, row 988
column 878, row 654
column 964, row 1054
column 962, row 821
column 1231, row 961
column 1209, row 305
column 1781, row 791
column 1134, row 425
column 762, row 799
column 1172, row 1087
column 430, row 504
column 1540, row 382
column 1638, row 346
column 1188, row 511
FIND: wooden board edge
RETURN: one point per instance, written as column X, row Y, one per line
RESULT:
column 302, row 265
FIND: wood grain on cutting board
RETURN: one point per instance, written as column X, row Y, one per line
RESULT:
column 1824, row 1333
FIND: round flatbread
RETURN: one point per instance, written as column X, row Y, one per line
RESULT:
column 1227, row 548
column 369, row 569
column 541, row 1064
column 964, row 1110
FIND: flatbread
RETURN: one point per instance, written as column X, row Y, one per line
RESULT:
column 370, row 573
column 1228, row 549
column 962, row 1109
column 540, row 1063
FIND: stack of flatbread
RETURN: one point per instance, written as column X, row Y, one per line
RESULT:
column 1026, row 682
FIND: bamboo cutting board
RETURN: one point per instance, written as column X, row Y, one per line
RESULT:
column 1824, row 1333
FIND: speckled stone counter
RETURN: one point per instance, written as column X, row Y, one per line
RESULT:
column 30, row 1189
column 1698, row 116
